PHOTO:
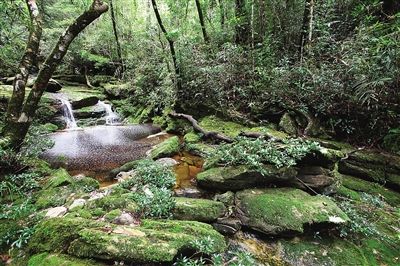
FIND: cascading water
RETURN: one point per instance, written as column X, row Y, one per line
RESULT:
column 68, row 114
column 112, row 118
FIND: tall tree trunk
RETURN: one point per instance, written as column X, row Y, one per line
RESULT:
column 114, row 24
column 17, row 127
column 201, row 18
column 242, row 35
column 307, row 27
column 171, row 46
column 391, row 7
column 27, row 61
column 222, row 12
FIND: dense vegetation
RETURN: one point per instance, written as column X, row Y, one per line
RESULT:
column 290, row 111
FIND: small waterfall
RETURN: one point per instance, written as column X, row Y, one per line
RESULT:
column 112, row 118
column 68, row 114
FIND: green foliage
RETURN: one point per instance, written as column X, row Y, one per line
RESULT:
column 392, row 140
column 13, row 186
column 255, row 152
column 152, row 186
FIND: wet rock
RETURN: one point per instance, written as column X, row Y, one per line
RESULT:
column 168, row 162
column 166, row 148
column 89, row 112
column 85, row 102
column 373, row 166
column 241, row 177
column 286, row 210
column 125, row 219
column 77, row 203
column 201, row 210
column 227, row 226
column 227, row 198
column 53, row 86
column 151, row 242
column 188, row 192
column 56, row 212
column 122, row 176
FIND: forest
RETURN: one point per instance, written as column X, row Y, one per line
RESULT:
column 199, row 132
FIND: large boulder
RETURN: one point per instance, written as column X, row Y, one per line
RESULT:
column 285, row 210
column 52, row 86
column 373, row 166
column 201, row 210
column 89, row 112
column 315, row 177
column 151, row 242
column 241, row 177
column 167, row 148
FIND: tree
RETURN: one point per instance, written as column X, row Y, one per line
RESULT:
column 114, row 24
column 201, row 18
column 307, row 27
column 171, row 46
column 20, row 112
column 242, row 34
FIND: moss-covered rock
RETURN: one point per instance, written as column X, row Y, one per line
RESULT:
column 166, row 148
column 58, row 178
column 114, row 201
column 361, row 185
column 191, row 137
column 285, row 210
column 241, row 177
column 86, row 183
column 373, row 166
column 288, row 124
column 111, row 215
column 49, row 259
column 216, row 124
column 200, row 149
column 8, row 233
column 152, row 241
column 52, row 197
column 201, row 210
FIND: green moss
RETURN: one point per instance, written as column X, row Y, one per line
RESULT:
column 275, row 211
column 46, row 259
column 140, row 115
column 110, row 216
column 348, row 193
column 153, row 241
column 79, row 212
column 49, row 127
column 53, row 196
column 55, row 235
column 87, row 183
column 357, row 184
column 288, row 124
column 8, row 233
column 76, row 93
column 200, row 149
column 191, row 137
column 166, row 148
column 112, row 202
column 201, row 210
column 228, row 128
column 59, row 178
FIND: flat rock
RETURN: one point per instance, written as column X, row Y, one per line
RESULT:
column 56, row 212
column 201, row 210
column 285, row 210
column 241, row 177
column 77, row 203
column 169, row 162
column 125, row 219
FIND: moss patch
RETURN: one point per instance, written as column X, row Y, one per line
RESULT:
column 166, row 148
column 59, row 178
column 46, row 259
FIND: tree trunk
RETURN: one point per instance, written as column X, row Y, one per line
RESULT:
column 242, row 35
column 171, row 46
column 201, row 18
column 222, row 13
column 307, row 28
column 28, row 59
column 114, row 24
column 17, row 128
column 391, row 7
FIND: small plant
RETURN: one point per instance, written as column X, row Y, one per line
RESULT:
column 17, row 185
column 255, row 152
column 23, row 237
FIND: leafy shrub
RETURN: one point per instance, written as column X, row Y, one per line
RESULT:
column 152, row 184
column 392, row 140
column 17, row 185
column 255, row 152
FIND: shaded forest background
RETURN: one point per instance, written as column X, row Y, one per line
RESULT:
column 335, row 63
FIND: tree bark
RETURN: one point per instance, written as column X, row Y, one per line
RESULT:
column 27, row 61
column 201, row 18
column 171, row 46
column 17, row 127
column 307, row 27
column 114, row 24
column 242, row 35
